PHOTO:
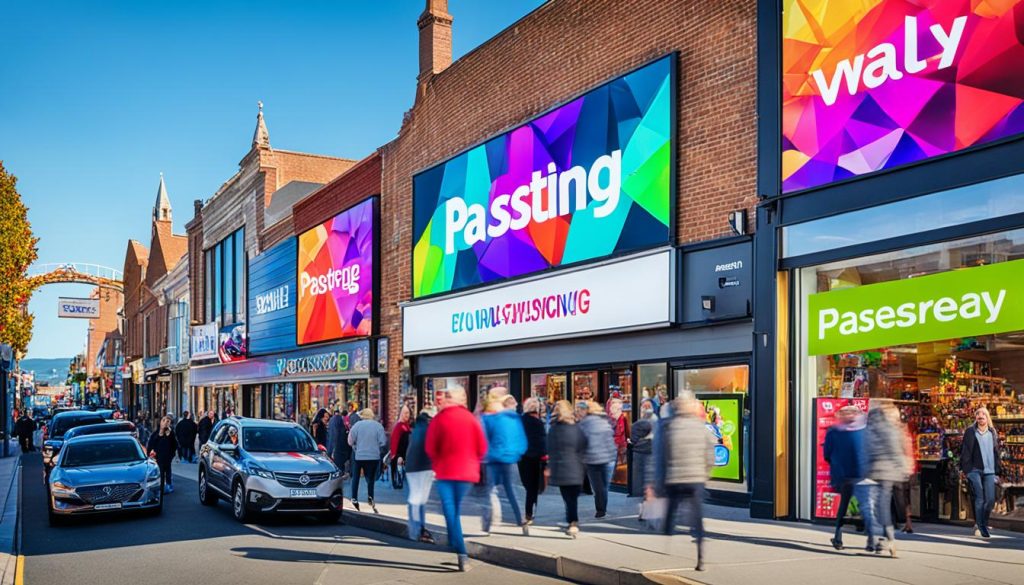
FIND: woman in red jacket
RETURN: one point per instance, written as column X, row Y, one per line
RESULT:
column 456, row 445
column 399, row 445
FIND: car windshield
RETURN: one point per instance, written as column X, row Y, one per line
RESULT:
column 101, row 453
column 277, row 439
column 63, row 423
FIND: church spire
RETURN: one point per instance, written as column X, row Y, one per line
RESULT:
column 162, row 208
column 260, row 138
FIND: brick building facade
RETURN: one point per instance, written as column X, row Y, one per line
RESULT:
column 548, row 57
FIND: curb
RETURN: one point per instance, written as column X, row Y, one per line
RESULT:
column 14, row 565
column 520, row 559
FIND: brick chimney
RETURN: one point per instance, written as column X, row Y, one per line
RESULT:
column 435, row 26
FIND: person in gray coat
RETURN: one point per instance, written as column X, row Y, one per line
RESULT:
column 601, row 452
column 889, row 462
column 684, row 455
column 367, row 438
column 566, row 446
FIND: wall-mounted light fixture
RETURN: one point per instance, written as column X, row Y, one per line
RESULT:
column 738, row 221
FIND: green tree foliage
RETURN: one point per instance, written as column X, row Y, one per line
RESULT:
column 17, row 252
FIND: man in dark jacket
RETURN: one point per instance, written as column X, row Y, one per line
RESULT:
column 185, row 431
column 206, row 427
column 337, row 442
column 420, row 478
column 844, row 452
column 24, row 429
column 979, row 460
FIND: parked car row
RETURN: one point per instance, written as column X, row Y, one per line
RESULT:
column 94, row 466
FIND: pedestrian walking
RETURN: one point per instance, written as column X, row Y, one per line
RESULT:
column 532, row 463
column 979, row 460
column 601, row 452
column 319, row 427
column 506, row 444
column 337, row 442
column 566, row 447
column 420, row 477
column 185, row 432
column 456, row 445
column 641, row 439
column 25, row 429
column 400, row 445
column 845, row 453
column 684, row 455
column 367, row 439
column 205, row 427
column 162, row 446
column 889, row 464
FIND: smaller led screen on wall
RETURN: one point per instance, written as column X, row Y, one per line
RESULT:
column 870, row 85
column 272, row 299
column 589, row 179
column 336, row 278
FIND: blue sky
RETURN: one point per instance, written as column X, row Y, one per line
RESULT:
column 96, row 99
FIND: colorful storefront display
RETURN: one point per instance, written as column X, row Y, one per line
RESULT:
column 336, row 276
column 724, row 421
column 878, row 84
column 588, row 179
column 273, row 297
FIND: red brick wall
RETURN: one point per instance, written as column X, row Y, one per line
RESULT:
column 101, row 328
column 557, row 52
column 358, row 183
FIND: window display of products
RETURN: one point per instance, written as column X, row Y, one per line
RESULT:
column 938, row 385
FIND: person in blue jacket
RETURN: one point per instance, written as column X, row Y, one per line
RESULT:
column 506, row 443
column 845, row 453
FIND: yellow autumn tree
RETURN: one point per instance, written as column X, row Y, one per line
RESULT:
column 17, row 252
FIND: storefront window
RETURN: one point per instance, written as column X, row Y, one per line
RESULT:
column 548, row 388
column 284, row 401
column 356, row 391
column 433, row 386
column 722, row 391
column 619, row 406
column 654, row 384
column 484, row 382
column 928, row 212
column 584, row 386
column 936, row 384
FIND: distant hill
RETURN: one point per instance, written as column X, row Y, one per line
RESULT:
column 54, row 370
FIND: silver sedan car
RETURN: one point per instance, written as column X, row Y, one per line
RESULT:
column 96, row 474
column 270, row 467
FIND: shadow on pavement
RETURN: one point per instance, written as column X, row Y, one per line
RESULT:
column 298, row 556
column 183, row 519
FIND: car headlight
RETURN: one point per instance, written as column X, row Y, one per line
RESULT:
column 261, row 472
column 62, row 490
column 336, row 474
column 153, row 477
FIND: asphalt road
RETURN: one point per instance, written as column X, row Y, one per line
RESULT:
column 190, row 543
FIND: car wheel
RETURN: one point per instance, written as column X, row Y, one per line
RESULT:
column 238, row 503
column 207, row 496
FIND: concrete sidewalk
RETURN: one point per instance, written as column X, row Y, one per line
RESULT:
column 10, row 473
column 619, row 550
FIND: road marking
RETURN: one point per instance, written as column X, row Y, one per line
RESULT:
column 19, row 571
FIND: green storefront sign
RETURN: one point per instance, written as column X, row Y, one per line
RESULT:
column 950, row 305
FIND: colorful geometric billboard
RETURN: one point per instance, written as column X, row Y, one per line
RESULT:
column 869, row 85
column 335, row 276
column 589, row 179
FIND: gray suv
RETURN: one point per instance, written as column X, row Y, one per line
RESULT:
column 268, row 466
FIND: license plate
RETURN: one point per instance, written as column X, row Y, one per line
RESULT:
column 302, row 493
column 115, row 506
